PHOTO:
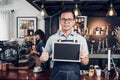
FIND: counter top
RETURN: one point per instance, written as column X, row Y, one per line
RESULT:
column 24, row 74
column 28, row 74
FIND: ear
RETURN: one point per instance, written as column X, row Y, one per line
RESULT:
column 74, row 22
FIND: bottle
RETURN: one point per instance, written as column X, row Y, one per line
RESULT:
column 97, row 31
column 107, row 29
column 91, row 52
column 101, row 31
column 99, row 46
column 107, row 74
column 103, row 48
column 0, row 65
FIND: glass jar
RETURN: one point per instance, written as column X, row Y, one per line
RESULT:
column 91, row 71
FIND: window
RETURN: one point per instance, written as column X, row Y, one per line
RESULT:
column 4, row 24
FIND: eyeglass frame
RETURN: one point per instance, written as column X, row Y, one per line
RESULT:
column 68, row 20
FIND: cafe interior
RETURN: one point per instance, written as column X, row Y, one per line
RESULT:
column 96, row 20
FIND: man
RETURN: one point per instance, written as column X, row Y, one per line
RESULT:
column 66, row 70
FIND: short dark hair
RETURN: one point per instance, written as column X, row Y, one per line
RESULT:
column 67, row 10
column 40, row 33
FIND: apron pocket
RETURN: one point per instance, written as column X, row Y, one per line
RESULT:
column 73, row 76
column 59, row 76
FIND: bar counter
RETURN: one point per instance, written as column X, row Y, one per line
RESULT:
column 28, row 74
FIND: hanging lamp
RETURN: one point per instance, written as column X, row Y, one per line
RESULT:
column 43, row 12
column 111, row 11
column 77, row 11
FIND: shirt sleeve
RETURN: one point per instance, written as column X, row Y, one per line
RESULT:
column 48, row 46
column 83, row 43
column 84, row 46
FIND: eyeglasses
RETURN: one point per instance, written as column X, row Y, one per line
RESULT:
column 68, row 20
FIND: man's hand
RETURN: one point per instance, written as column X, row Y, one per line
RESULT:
column 82, row 54
column 84, row 58
column 44, row 57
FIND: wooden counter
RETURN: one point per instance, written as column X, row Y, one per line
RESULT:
column 24, row 74
column 28, row 74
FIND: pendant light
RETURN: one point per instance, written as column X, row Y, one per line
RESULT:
column 43, row 12
column 77, row 11
column 111, row 11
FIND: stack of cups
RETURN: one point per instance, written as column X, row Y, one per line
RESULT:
column 97, row 70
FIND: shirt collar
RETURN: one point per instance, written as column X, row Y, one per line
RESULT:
column 61, row 33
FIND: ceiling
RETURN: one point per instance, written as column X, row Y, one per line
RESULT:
column 87, row 7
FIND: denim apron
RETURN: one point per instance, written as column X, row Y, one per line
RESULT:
column 66, row 70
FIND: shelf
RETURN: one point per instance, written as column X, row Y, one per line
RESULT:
column 104, row 56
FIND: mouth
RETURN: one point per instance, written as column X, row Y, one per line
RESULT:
column 66, row 26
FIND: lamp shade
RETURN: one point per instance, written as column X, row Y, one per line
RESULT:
column 43, row 12
column 77, row 11
column 111, row 11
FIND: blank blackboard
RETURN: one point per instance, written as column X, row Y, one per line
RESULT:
column 66, row 51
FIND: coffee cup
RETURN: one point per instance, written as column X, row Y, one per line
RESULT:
column 4, row 66
column 36, row 69
column 98, row 72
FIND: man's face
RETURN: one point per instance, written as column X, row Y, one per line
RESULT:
column 67, row 21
